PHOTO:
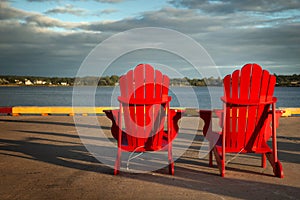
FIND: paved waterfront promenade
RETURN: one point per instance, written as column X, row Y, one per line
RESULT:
column 42, row 157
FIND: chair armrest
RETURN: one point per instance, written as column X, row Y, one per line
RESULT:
column 113, row 115
column 268, row 132
column 240, row 102
column 206, row 115
column 212, row 136
column 163, row 100
column 176, row 114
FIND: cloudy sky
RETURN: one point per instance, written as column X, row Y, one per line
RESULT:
column 53, row 37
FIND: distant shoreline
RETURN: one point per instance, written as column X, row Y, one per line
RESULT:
column 12, row 85
column 113, row 80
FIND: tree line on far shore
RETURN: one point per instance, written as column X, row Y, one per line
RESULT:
column 282, row 80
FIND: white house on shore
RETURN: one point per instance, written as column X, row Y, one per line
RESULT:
column 18, row 82
column 28, row 82
column 64, row 83
column 40, row 82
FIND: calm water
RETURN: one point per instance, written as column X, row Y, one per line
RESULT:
column 106, row 96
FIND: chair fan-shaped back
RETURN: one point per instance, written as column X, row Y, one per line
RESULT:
column 144, row 96
column 247, row 93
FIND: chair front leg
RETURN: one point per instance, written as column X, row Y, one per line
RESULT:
column 210, row 159
column 118, row 162
column 263, row 160
column 118, row 159
column 170, row 156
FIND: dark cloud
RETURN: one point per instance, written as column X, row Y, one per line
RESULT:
column 276, row 46
column 28, row 49
column 30, row 45
column 8, row 12
column 101, row 1
column 230, row 39
column 36, row 44
column 182, row 20
column 231, row 6
column 67, row 9
column 70, row 9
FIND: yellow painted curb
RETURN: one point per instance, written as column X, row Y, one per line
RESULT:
column 17, row 110
column 44, row 110
column 290, row 111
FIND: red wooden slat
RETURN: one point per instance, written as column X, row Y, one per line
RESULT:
column 235, row 80
column 149, row 82
column 252, row 117
column 270, row 91
column 158, row 113
column 129, row 111
column 165, row 89
column 149, row 94
column 261, row 125
column 130, row 85
column 245, row 82
column 139, row 78
column 158, row 84
column 264, row 86
column 255, row 82
column 125, row 91
column 228, row 94
column 123, row 85
column 161, row 92
column 130, row 94
column 165, row 86
column 231, row 134
column 245, row 79
column 262, row 111
column 227, row 87
column 265, row 110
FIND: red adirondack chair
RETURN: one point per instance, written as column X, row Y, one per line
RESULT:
column 248, row 118
column 144, row 103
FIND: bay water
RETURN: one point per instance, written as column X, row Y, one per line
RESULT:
column 197, row 97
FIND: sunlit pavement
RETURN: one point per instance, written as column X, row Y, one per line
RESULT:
column 42, row 157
